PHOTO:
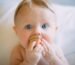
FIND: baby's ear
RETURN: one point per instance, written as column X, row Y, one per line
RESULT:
column 15, row 29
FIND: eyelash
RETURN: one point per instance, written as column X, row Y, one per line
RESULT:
column 28, row 26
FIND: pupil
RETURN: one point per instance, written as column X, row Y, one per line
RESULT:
column 44, row 26
column 28, row 26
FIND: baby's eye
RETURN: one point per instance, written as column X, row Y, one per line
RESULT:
column 28, row 26
column 44, row 26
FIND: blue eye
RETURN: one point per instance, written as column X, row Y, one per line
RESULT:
column 44, row 26
column 28, row 26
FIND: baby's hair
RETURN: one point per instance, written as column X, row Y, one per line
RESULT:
column 41, row 3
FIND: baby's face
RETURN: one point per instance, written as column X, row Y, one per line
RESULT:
column 38, row 22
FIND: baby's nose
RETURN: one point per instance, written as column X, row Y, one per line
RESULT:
column 37, row 31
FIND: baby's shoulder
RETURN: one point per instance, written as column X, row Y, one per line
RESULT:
column 18, row 50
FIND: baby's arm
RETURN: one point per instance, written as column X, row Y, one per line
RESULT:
column 29, row 56
column 17, row 55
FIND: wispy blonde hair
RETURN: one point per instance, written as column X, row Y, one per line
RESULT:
column 41, row 3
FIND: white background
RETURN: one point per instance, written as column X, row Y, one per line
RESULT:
column 65, row 10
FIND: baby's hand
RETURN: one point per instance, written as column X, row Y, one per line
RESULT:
column 53, row 54
column 33, row 52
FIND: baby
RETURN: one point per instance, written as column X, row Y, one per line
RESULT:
column 35, row 26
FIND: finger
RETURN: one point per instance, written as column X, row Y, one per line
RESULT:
column 48, row 45
column 38, row 41
column 50, row 48
column 44, row 47
column 45, row 44
column 38, row 48
column 32, row 45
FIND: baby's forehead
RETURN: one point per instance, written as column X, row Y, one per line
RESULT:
column 34, row 11
column 26, row 8
column 26, row 14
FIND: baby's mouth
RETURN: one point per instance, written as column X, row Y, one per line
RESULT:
column 35, row 38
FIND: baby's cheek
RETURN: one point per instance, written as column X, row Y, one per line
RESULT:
column 24, row 41
column 51, row 35
column 47, row 38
